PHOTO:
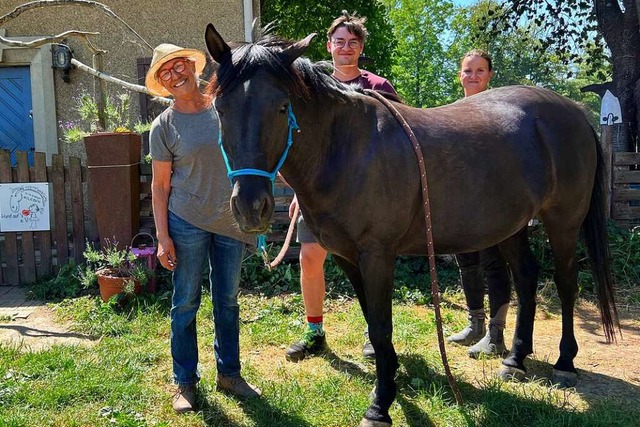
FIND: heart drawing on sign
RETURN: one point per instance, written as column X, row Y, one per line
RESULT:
column 26, row 212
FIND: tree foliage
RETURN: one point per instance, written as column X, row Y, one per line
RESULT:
column 296, row 19
column 422, row 69
column 579, row 26
column 422, row 42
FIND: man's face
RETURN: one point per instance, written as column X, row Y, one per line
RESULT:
column 345, row 48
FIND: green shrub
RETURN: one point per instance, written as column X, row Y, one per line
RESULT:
column 65, row 285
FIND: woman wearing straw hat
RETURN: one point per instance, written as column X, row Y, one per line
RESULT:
column 194, row 224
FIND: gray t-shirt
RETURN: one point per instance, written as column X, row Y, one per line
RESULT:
column 200, row 188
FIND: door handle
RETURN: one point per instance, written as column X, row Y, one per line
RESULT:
column 31, row 114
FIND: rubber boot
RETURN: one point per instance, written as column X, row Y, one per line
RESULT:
column 492, row 344
column 474, row 331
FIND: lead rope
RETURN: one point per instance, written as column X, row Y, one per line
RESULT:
column 285, row 246
column 430, row 249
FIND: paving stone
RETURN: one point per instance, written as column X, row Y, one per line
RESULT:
column 14, row 303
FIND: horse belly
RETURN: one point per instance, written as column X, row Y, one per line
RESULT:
column 477, row 203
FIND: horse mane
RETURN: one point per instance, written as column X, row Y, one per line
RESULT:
column 302, row 78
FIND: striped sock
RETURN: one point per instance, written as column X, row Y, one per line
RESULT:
column 314, row 323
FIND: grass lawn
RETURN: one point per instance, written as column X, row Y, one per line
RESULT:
column 124, row 378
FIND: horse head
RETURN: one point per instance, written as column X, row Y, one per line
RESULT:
column 15, row 199
column 252, row 88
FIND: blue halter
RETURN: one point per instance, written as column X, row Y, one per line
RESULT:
column 293, row 125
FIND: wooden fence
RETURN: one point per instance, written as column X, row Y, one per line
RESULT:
column 625, row 199
column 27, row 256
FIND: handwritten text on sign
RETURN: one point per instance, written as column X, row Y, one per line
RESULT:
column 24, row 207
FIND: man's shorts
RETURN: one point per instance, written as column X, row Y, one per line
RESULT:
column 304, row 233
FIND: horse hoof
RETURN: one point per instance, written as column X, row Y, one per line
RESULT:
column 564, row 379
column 370, row 423
column 509, row 373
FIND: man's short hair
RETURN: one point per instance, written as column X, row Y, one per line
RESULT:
column 353, row 23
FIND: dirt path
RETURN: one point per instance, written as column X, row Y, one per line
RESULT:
column 40, row 331
column 603, row 369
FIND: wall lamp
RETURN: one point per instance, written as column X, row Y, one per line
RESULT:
column 61, row 58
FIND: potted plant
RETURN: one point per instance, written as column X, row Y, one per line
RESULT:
column 116, row 271
column 113, row 146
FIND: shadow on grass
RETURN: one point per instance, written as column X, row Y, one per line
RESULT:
column 414, row 415
column 501, row 407
column 493, row 405
column 214, row 415
column 259, row 410
column 593, row 387
column 27, row 331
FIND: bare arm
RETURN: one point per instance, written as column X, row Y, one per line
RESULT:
column 160, row 189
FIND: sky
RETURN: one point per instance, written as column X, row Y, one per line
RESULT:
column 464, row 2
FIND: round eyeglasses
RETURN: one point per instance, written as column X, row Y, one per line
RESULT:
column 178, row 67
column 341, row 43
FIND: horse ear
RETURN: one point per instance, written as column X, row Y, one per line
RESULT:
column 294, row 51
column 218, row 48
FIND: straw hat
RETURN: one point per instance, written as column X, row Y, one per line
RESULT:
column 166, row 52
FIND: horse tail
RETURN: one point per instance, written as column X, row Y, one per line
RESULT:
column 597, row 240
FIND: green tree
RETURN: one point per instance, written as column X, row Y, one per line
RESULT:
column 519, row 56
column 295, row 19
column 583, row 24
column 422, row 70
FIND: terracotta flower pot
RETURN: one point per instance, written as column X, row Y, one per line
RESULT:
column 111, row 284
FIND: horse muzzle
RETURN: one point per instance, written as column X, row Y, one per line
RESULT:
column 252, row 204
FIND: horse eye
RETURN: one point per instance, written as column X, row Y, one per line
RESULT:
column 284, row 108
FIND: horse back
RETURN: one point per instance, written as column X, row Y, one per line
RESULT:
column 497, row 159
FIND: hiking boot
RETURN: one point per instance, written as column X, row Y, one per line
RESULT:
column 471, row 334
column 492, row 344
column 367, row 348
column 185, row 399
column 237, row 386
column 311, row 343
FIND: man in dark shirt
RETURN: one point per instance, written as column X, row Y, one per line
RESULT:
column 345, row 41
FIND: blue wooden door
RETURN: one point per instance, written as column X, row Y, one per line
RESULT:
column 16, row 118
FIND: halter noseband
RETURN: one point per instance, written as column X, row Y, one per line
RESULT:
column 293, row 125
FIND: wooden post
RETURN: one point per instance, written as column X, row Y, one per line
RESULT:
column 59, row 210
column 100, row 91
column 11, row 274
column 28, row 274
column 77, row 208
column 606, row 142
column 44, row 237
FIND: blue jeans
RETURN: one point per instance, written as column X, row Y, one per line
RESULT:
column 194, row 247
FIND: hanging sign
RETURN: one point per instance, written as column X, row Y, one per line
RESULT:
column 24, row 207
column 610, row 110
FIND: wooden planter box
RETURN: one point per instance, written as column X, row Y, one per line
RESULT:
column 113, row 161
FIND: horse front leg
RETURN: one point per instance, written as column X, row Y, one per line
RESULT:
column 355, row 277
column 525, row 276
column 377, row 269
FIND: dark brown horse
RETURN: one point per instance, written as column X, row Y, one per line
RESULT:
column 494, row 161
